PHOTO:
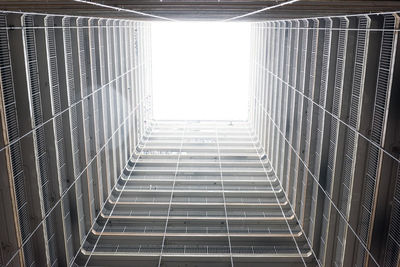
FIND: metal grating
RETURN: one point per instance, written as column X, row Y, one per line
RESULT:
column 330, row 129
column 110, row 105
column 180, row 201
column 8, row 94
column 351, row 138
column 62, row 129
column 392, row 246
column 377, row 127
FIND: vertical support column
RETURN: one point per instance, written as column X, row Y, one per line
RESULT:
column 267, row 78
column 65, row 155
column 106, row 162
column 74, row 133
column 128, row 99
column 86, row 141
column 279, row 103
column 36, row 157
column 306, row 112
column 124, row 103
column 285, row 105
column 57, row 167
column 134, row 85
column 318, row 127
column 118, row 96
column 391, row 256
column 276, row 68
column 312, row 94
column 292, row 107
column 96, row 118
column 342, row 187
column 303, row 56
column 333, row 143
column 11, row 174
column 138, row 80
column 112, row 104
column 139, row 40
column 261, row 105
column 253, row 67
column 378, row 136
column 379, row 166
column 386, row 218
column 271, row 86
column 257, row 78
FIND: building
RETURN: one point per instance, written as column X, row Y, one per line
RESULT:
column 88, row 178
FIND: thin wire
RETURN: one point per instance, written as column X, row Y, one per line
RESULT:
column 260, row 10
column 336, row 16
column 77, row 178
column 303, row 18
column 334, row 116
column 223, row 196
column 70, row 27
column 280, row 206
column 123, row 9
column 61, row 15
column 114, row 205
column 319, row 185
column 172, row 195
column 329, row 29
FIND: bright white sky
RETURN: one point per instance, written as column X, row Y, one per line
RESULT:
column 200, row 70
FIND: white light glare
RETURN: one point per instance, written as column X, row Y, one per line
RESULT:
column 200, row 70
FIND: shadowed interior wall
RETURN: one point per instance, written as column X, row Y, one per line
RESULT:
column 75, row 102
column 325, row 95
column 76, row 118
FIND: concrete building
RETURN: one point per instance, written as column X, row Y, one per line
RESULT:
column 89, row 178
